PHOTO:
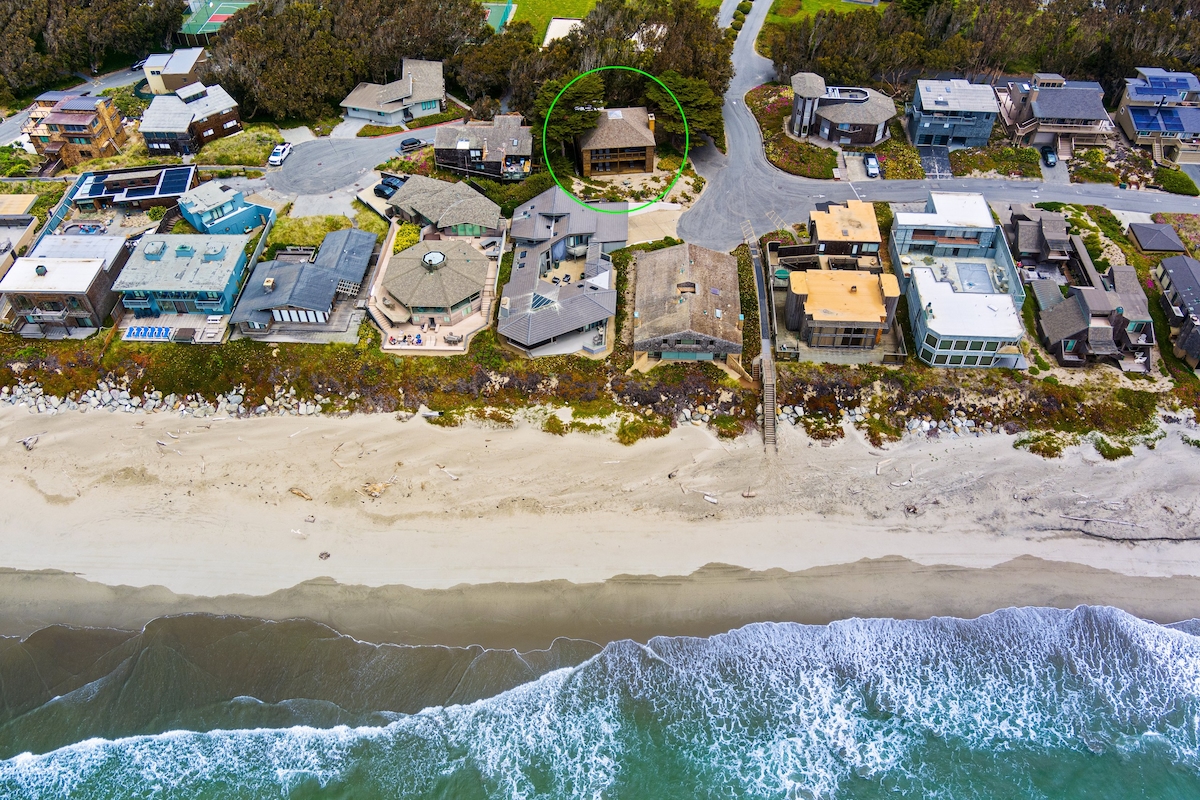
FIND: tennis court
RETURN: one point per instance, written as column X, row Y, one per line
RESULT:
column 210, row 14
column 498, row 14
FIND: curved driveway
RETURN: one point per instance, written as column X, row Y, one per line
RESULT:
column 742, row 184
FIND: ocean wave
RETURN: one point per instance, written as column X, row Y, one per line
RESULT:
column 1021, row 703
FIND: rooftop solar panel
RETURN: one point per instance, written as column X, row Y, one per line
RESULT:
column 97, row 188
column 175, row 181
column 145, row 191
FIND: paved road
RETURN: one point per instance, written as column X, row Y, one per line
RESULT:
column 743, row 185
column 325, row 165
column 10, row 129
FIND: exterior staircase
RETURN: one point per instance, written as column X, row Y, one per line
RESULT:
column 1066, row 147
column 768, row 397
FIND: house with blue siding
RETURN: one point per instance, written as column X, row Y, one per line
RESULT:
column 953, row 113
column 962, row 286
column 420, row 92
column 183, row 274
column 217, row 209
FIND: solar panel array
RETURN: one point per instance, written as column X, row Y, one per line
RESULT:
column 175, row 181
column 144, row 191
column 1149, row 119
column 97, row 188
column 1174, row 84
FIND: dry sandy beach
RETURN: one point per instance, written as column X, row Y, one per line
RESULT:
column 513, row 536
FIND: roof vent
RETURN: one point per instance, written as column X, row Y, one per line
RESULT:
column 269, row 285
column 40, row 269
column 433, row 260
column 687, row 287
column 853, row 288
column 214, row 252
column 184, row 251
column 154, row 249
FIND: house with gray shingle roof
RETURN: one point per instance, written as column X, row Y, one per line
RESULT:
column 439, row 281
column 454, row 209
column 840, row 114
column 621, row 142
column 562, row 293
column 1037, row 234
column 303, row 292
column 1107, row 322
column 419, row 92
column 1051, row 110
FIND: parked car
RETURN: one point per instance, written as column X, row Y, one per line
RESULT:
column 138, row 66
column 408, row 145
column 388, row 186
column 872, row 165
column 1049, row 157
column 279, row 154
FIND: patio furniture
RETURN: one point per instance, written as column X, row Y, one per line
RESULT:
column 452, row 338
column 566, row 278
column 555, row 281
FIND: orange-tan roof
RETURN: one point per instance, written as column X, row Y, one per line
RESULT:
column 17, row 203
column 853, row 222
column 845, row 295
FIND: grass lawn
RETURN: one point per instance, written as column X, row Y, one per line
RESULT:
column 1186, row 225
column 134, row 155
column 250, row 147
column 366, row 219
column 771, row 104
column 321, row 126
column 378, row 130
column 539, row 12
column 129, row 104
column 15, row 162
column 1023, row 161
column 304, row 231
column 452, row 113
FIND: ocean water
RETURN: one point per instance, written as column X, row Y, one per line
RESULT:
column 1022, row 703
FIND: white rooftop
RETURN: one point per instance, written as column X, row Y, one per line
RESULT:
column 966, row 314
column 951, row 210
column 957, row 95
column 105, row 248
column 65, row 275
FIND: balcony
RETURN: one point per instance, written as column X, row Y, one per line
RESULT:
column 39, row 315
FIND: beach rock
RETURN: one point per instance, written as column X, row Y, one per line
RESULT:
column 234, row 399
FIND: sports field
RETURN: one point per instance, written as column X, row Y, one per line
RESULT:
column 540, row 12
column 499, row 14
column 210, row 14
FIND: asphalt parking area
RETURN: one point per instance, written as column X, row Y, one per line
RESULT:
column 935, row 160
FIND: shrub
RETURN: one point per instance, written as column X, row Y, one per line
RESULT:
column 1109, row 451
column 736, row 24
column 739, row 16
column 156, row 212
column 745, row 6
column 408, row 235
column 1175, row 181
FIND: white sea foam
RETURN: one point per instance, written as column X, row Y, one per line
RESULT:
column 770, row 710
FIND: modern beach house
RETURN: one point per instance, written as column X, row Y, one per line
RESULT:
column 953, row 113
column 561, row 297
column 1160, row 109
column 962, row 287
column 843, row 115
column 214, row 208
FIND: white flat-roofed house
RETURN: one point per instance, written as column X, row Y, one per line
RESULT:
column 954, row 328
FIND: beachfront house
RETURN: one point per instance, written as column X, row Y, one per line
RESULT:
column 215, row 208
column 419, row 92
column 1110, row 322
column 622, row 142
column 841, row 308
column 183, row 274
column 16, row 234
column 687, row 307
column 561, row 296
column 962, row 287
column 299, row 292
column 434, row 283
column 843, row 115
column 953, row 113
column 500, row 149
column 64, row 286
column 1179, row 279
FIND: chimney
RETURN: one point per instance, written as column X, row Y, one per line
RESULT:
column 40, row 269
column 650, row 122
column 269, row 285
column 853, row 289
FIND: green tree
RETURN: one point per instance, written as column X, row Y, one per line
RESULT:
column 701, row 105
column 575, row 112
column 484, row 69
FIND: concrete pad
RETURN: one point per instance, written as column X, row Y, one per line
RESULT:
column 313, row 205
column 653, row 225
column 558, row 28
column 348, row 128
column 376, row 204
column 1127, row 217
column 270, row 198
column 1058, row 174
column 297, row 135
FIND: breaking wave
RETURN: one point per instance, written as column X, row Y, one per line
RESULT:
column 1023, row 703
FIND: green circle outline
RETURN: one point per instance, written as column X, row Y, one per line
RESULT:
column 686, row 141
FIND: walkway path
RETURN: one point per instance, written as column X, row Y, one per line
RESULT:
column 742, row 184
